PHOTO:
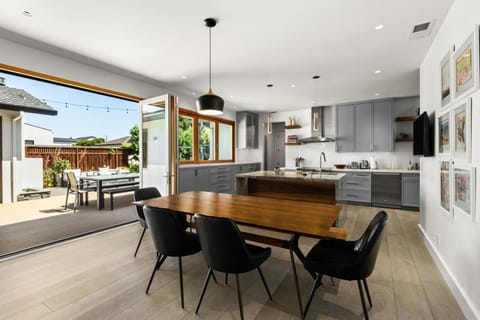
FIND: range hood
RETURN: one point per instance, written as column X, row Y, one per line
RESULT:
column 318, row 125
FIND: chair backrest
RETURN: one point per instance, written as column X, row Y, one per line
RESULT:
column 167, row 230
column 72, row 181
column 223, row 245
column 368, row 245
column 144, row 194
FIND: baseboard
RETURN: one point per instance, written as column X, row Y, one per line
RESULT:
column 465, row 304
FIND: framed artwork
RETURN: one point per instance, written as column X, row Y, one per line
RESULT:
column 462, row 133
column 445, row 74
column 466, row 65
column 464, row 190
column 443, row 125
column 445, row 186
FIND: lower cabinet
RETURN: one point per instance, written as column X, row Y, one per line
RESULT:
column 355, row 187
column 410, row 190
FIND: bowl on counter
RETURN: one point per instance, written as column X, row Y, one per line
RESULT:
column 340, row 166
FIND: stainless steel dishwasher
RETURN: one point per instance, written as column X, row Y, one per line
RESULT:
column 387, row 189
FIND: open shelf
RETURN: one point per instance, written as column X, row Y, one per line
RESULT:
column 406, row 118
column 295, row 126
column 404, row 139
column 292, row 143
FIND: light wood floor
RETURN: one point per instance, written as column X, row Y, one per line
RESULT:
column 98, row 278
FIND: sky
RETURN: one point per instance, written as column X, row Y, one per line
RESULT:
column 76, row 121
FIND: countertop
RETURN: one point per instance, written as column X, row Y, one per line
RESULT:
column 196, row 165
column 364, row 170
column 326, row 176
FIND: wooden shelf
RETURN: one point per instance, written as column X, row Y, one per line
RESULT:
column 404, row 139
column 406, row 118
column 295, row 126
column 292, row 143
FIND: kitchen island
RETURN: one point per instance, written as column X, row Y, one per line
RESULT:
column 312, row 186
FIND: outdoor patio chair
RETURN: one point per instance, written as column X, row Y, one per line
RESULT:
column 74, row 187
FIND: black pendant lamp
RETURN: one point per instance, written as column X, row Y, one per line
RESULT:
column 209, row 103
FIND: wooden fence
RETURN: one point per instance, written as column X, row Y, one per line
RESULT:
column 83, row 158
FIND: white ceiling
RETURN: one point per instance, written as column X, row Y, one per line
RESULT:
column 255, row 43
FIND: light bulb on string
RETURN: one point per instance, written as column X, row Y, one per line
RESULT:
column 108, row 109
column 87, row 107
column 66, row 105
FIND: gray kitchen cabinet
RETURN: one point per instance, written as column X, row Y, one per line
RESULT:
column 363, row 127
column 382, row 126
column 410, row 190
column 193, row 179
column 345, row 130
column 355, row 187
column 221, row 179
column 247, row 130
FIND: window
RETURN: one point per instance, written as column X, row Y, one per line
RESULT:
column 204, row 139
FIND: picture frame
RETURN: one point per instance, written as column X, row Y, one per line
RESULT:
column 462, row 130
column 464, row 190
column 445, row 187
column 466, row 62
column 445, row 76
column 443, row 132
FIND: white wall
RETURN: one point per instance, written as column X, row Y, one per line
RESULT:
column 454, row 243
column 39, row 136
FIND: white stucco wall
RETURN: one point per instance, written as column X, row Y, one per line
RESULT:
column 454, row 242
column 39, row 136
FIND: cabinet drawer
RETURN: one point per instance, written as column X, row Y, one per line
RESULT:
column 359, row 195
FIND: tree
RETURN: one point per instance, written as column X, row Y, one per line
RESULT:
column 133, row 146
column 185, row 138
column 90, row 142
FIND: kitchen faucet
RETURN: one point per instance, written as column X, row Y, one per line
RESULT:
column 324, row 159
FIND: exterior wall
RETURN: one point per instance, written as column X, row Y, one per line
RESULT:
column 39, row 136
column 453, row 241
column 11, row 151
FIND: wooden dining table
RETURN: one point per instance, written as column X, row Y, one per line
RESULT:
column 295, row 218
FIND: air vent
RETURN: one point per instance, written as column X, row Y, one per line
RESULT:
column 421, row 30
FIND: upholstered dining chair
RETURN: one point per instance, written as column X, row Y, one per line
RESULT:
column 170, row 238
column 140, row 195
column 74, row 187
column 347, row 260
column 225, row 250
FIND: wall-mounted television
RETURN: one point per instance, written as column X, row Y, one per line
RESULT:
column 423, row 136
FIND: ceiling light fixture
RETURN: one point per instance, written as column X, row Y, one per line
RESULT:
column 377, row 94
column 378, row 71
column 292, row 86
column 315, row 114
column 379, row 27
column 269, row 117
column 184, row 77
column 209, row 103
column 27, row 13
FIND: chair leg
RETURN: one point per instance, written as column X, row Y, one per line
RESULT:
column 368, row 292
column 205, row 284
column 365, row 311
column 264, row 283
column 158, row 263
column 139, row 242
column 214, row 278
column 316, row 284
column 75, row 202
column 66, row 198
column 239, row 294
column 181, row 279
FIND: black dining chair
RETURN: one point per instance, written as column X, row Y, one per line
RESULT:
column 140, row 195
column 347, row 260
column 170, row 239
column 225, row 250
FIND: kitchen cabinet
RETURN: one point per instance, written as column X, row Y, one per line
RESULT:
column 365, row 127
column 355, row 187
column 194, row 179
column 247, row 130
column 410, row 190
column 221, row 179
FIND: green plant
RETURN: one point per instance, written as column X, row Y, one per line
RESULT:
column 90, row 142
column 57, row 168
column 48, row 177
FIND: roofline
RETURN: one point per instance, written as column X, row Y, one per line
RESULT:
column 28, row 109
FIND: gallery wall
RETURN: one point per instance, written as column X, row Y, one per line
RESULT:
column 452, row 234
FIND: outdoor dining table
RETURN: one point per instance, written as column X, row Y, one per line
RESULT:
column 108, row 180
column 292, row 217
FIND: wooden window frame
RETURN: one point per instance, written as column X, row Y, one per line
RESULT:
column 196, row 116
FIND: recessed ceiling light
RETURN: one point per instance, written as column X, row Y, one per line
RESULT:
column 378, row 71
column 379, row 27
column 184, row 77
column 193, row 93
column 27, row 13
column 313, row 101
column 292, row 86
column 231, row 97
column 377, row 94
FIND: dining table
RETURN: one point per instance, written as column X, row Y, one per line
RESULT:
column 292, row 217
column 108, row 181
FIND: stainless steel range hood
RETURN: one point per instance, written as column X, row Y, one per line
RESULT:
column 318, row 125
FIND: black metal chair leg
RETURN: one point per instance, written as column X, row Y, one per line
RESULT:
column 365, row 311
column 316, row 284
column 153, row 274
column 139, row 242
column 181, row 279
column 264, row 283
column 239, row 294
column 214, row 278
column 226, row 278
column 368, row 292
column 205, row 284
column 159, row 263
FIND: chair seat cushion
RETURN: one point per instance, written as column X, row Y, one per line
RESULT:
column 333, row 257
column 191, row 245
column 258, row 254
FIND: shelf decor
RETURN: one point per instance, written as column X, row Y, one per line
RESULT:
column 466, row 65
column 443, row 137
column 445, row 187
column 463, row 130
column 464, row 194
column 445, row 73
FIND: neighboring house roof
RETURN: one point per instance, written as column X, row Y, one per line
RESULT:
column 32, row 125
column 70, row 140
column 114, row 143
column 20, row 100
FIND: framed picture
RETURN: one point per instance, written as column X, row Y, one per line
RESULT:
column 443, row 136
column 445, row 200
column 466, row 65
column 462, row 133
column 445, row 81
column 464, row 190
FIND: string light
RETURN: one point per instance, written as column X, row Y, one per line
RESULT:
column 86, row 106
column 66, row 105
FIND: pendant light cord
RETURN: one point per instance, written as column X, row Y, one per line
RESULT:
column 210, row 58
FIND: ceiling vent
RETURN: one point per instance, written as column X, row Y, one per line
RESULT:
column 421, row 30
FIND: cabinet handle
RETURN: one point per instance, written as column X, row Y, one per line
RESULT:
column 354, row 183
column 352, row 195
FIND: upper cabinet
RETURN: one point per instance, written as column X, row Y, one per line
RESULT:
column 365, row 127
column 247, row 130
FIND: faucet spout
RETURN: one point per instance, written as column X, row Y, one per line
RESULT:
column 322, row 154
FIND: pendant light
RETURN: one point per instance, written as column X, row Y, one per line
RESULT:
column 315, row 124
column 269, row 117
column 209, row 103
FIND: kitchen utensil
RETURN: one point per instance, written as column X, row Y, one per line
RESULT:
column 354, row 165
column 340, row 166
column 364, row 164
